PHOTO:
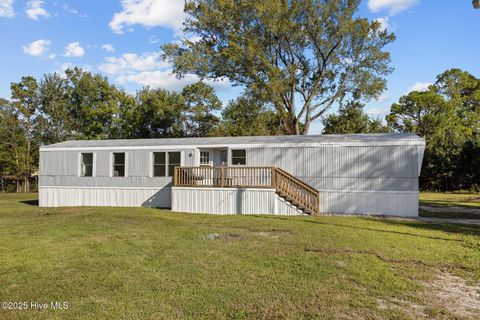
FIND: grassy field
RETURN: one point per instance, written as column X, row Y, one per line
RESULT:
column 450, row 205
column 135, row 263
column 450, row 199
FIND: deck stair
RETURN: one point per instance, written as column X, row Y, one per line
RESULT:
column 287, row 186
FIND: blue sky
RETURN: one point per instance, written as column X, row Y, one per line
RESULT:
column 121, row 39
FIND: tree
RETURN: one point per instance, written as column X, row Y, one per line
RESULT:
column 429, row 115
column 462, row 90
column 158, row 113
column 25, row 102
column 246, row 116
column 419, row 112
column 13, row 143
column 58, row 122
column 352, row 119
column 200, row 104
column 93, row 104
column 301, row 56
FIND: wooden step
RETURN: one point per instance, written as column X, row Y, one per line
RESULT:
column 286, row 184
column 296, row 203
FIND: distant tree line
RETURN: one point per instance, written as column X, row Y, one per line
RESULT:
column 294, row 59
column 82, row 105
column 447, row 115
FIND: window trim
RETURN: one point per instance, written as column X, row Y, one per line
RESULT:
column 152, row 164
column 112, row 164
column 209, row 163
column 167, row 162
column 80, row 163
column 231, row 157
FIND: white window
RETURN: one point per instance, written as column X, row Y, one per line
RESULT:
column 119, row 164
column 159, row 164
column 173, row 161
column 164, row 160
column 239, row 157
column 86, row 165
column 204, row 158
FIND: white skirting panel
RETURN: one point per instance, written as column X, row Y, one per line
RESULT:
column 394, row 203
column 230, row 201
column 106, row 197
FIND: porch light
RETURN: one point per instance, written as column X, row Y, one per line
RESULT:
column 476, row 4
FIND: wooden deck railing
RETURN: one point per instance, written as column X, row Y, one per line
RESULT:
column 286, row 185
column 297, row 191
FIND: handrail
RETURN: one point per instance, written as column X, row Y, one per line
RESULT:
column 286, row 185
column 294, row 189
column 298, row 180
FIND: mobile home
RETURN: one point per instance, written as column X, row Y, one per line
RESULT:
column 359, row 174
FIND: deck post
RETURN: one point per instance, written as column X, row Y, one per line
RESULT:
column 273, row 178
column 222, row 177
column 175, row 176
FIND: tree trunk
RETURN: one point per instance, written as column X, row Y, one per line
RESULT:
column 27, row 174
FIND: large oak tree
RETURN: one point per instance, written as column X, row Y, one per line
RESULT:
column 300, row 56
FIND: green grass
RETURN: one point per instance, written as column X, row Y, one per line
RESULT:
column 136, row 263
column 450, row 199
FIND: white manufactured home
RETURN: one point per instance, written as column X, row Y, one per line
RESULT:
column 291, row 175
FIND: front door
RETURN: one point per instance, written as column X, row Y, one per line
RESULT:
column 213, row 157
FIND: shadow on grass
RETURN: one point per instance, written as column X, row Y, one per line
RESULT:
column 451, row 228
column 467, row 229
column 30, row 202
column 449, row 215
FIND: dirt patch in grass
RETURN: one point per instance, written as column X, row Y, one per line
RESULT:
column 229, row 236
column 446, row 296
column 274, row 234
column 101, row 238
column 456, row 295
column 412, row 309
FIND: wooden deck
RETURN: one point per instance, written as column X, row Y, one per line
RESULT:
column 287, row 186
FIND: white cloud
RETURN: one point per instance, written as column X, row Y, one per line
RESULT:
column 153, row 40
column 6, row 8
column 149, row 70
column 35, row 10
column 61, row 68
column 74, row 50
column 157, row 79
column 419, row 86
column 37, row 48
column 108, row 47
column 375, row 112
column 149, row 13
column 166, row 80
column 384, row 23
column 132, row 63
column 392, row 6
column 382, row 98
column 68, row 9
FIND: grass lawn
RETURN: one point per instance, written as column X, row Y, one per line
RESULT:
column 450, row 199
column 450, row 205
column 136, row 263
